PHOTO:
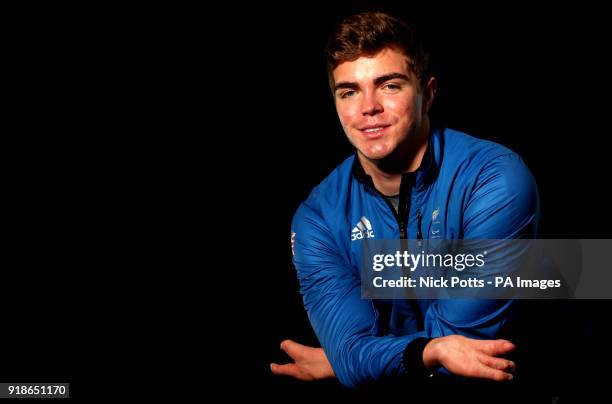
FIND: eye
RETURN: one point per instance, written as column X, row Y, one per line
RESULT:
column 347, row 94
column 392, row 86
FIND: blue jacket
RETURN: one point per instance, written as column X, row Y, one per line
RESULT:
column 465, row 188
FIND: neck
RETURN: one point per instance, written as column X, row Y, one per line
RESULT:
column 387, row 173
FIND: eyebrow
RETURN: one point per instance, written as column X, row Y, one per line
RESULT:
column 377, row 81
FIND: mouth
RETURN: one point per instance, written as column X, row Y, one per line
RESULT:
column 373, row 132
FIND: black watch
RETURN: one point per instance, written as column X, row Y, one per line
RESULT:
column 413, row 359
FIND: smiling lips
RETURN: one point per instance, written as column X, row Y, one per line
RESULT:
column 373, row 131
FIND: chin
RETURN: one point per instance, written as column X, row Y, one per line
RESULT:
column 378, row 152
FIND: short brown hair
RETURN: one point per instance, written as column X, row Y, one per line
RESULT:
column 366, row 34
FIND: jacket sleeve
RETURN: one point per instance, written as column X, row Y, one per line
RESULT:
column 344, row 323
column 503, row 204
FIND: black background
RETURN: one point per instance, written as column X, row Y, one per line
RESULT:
column 128, row 123
column 535, row 80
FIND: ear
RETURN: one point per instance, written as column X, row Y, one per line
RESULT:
column 429, row 93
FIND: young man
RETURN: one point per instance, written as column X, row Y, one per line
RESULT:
column 411, row 181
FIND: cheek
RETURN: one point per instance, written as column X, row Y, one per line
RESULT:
column 400, row 108
column 345, row 115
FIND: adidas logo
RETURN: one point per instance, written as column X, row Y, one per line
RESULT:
column 362, row 230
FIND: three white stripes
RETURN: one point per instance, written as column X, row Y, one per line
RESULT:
column 363, row 225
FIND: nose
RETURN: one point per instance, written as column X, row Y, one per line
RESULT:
column 370, row 104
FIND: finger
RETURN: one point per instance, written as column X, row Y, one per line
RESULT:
column 493, row 374
column 497, row 363
column 284, row 343
column 493, row 347
column 293, row 349
column 288, row 369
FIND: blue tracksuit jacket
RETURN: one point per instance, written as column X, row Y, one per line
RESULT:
column 465, row 188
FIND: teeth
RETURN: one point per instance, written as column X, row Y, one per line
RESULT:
column 373, row 129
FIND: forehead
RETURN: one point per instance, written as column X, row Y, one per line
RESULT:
column 367, row 68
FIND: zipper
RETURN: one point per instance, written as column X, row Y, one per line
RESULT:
column 404, row 204
column 403, row 208
column 419, row 234
column 419, row 219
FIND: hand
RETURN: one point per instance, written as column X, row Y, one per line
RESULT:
column 308, row 363
column 470, row 357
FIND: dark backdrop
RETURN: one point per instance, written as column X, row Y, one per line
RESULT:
column 535, row 80
column 110, row 102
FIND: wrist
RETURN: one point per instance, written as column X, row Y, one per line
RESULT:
column 431, row 354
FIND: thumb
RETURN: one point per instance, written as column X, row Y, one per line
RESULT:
column 289, row 369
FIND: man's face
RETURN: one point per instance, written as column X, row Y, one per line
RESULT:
column 378, row 102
